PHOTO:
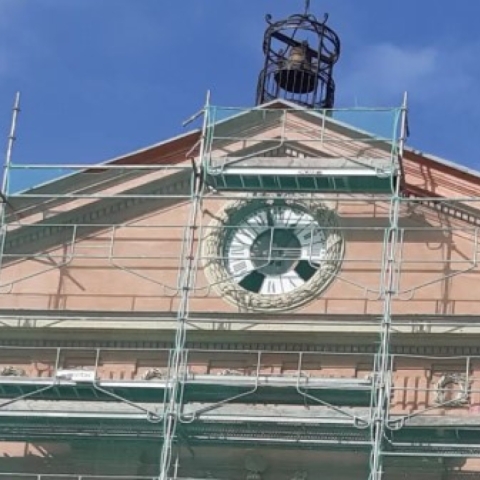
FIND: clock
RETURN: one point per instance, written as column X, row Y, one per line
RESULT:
column 272, row 255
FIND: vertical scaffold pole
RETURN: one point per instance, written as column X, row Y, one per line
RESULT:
column 6, row 175
column 10, row 143
column 186, row 284
column 383, row 374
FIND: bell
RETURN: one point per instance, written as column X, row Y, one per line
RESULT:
column 296, row 74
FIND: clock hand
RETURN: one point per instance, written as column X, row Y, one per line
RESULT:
column 271, row 228
column 270, row 221
column 279, row 243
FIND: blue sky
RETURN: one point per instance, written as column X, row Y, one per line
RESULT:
column 100, row 78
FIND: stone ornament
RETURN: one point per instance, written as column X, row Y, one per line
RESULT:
column 452, row 390
column 11, row 371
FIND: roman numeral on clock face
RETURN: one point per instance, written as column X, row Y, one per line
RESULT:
column 280, row 216
column 258, row 223
column 282, row 284
column 312, row 241
column 306, row 237
column 245, row 236
column 272, row 286
column 291, row 281
column 238, row 250
column 240, row 268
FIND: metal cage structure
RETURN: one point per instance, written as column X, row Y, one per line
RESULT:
column 300, row 53
column 129, row 342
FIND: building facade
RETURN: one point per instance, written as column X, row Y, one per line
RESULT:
column 284, row 293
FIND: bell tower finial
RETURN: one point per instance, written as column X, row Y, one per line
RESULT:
column 300, row 53
column 307, row 6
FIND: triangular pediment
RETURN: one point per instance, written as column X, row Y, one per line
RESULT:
column 114, row 238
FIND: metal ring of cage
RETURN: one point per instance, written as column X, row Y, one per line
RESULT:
column 221, row 280
column 305, row 78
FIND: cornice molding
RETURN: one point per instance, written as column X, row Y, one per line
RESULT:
column 461, row 213
column 221, row 344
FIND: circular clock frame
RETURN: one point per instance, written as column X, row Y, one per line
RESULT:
column 219, row 233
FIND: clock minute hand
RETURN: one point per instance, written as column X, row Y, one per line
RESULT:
column 270, row 221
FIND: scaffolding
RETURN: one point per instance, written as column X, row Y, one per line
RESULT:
column 205, row 359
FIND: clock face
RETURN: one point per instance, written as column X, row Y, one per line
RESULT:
column 272, row 255
column 275, row 250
